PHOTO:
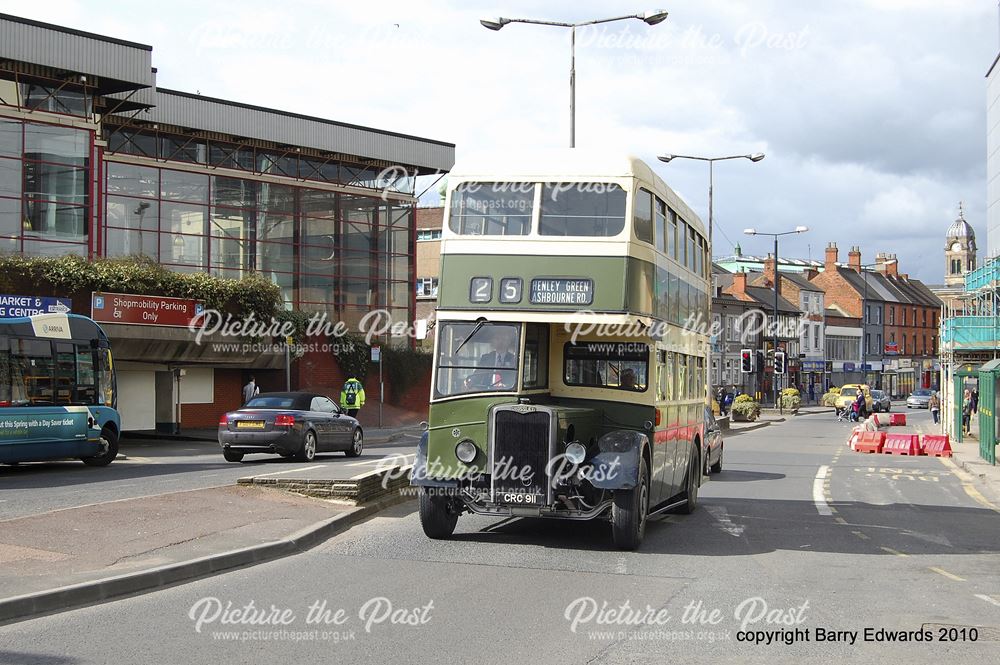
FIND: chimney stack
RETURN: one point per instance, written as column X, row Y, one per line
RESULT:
column 770, row 269
column 831, row 257
column 854, row 259
column 740, row 283
column 891, row 269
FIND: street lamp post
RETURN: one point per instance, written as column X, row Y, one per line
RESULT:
column 755, row 157
column 774, row 321
column 649, row 18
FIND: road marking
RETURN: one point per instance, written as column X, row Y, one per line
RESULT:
column 892, row 551
column 621, row 568
column 278, row 473
column 821, row 505
column 983, row 596
column 939, row 571
column 966, row 480
column 388, row 459
column 860, row 535
column 840, row 520
column 721, row 516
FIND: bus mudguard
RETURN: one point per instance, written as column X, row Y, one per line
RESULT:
column 418, row 476
column 616, row 466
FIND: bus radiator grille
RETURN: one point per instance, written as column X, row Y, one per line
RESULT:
column 520, row 452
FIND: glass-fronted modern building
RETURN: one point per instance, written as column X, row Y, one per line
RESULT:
column 95, row 160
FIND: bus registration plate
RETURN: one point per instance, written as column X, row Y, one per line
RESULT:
column 546, row 291
column 520, row 499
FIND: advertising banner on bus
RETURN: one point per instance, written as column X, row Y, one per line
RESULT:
column 143, row 310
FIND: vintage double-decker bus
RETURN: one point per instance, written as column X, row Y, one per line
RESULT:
column 566, row 383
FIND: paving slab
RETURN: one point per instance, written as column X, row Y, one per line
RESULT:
column 77, row 545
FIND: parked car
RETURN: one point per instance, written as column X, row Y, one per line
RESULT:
column 294, row 425
column 881, row 401
column 849, row 393
column 918, row 399
column 713, row 444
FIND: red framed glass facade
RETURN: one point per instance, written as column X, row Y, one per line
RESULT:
column 46, row 185
column 344, row 254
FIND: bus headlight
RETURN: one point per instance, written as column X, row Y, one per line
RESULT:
column 576, row 453
column 466, row 451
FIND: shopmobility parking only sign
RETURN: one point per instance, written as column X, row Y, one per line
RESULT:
column 143, row 310
column 13, row 307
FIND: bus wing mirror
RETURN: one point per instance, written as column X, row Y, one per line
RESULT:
column 95, row 343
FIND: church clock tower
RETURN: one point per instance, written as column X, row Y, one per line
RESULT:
column 959, row 251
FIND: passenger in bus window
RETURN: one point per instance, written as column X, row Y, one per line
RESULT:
column 629, row 380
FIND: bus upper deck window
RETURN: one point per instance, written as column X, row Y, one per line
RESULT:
column 492, row 208
column 595, row 209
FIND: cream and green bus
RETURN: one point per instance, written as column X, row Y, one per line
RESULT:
column 568, row 380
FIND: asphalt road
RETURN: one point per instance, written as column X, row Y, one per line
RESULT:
column 796, row 534
column 159, row 467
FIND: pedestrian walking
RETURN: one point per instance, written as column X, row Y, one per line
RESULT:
column 934, row 404
column 352, row 397
column 975, row 400
column 967, row 411
column 250, row 390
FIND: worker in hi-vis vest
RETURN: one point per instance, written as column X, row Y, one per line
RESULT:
column 352, row 397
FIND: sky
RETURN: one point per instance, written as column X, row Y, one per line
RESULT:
column 872, row 113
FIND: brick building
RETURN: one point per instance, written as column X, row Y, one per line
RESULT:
column 899, row 315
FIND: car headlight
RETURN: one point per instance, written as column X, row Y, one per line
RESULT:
column 576, row 453
column 466, row 451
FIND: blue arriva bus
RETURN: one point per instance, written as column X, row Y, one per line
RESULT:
column 57, row 391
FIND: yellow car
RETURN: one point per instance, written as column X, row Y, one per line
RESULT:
column 849, row 393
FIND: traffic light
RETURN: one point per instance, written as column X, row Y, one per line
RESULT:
column 779, row 362
column 746, row 361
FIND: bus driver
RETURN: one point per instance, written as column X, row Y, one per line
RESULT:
column 491, row 374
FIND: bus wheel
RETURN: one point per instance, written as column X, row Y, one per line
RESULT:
column 437, row 515
column 693, row 481
column 628, row 514
column 110, row 440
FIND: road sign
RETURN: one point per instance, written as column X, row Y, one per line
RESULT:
column 143, row 310
column 18, row 306
column 376, row 354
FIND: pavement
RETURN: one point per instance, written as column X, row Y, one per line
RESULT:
column 800, row 551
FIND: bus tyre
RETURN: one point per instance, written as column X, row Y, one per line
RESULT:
column 628, row 514
column 232, row 455
column 437, row 516
column 693, row 481
column 110, row 440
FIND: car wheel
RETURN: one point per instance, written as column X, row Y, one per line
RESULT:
column 357, row 444
column 110, row 440
column 232, row 455
column 437, row 515
column 717, row 467
column 307, row 452
column 628, row 513
column 693, row 481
